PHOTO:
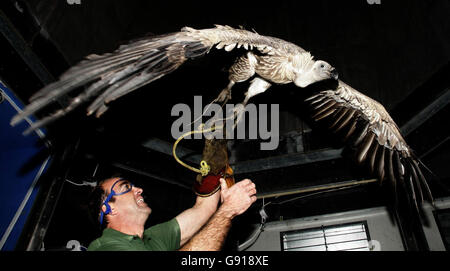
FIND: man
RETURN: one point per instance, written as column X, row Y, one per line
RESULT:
column 201, row 227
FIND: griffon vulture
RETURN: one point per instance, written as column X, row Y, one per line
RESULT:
column 369, row 128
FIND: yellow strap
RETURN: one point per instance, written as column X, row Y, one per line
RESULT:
column 204, row 167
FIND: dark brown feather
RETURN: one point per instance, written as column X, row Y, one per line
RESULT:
column 398, row 165
column 325, row 107
column 416, row 181
column 424, row 182
column 365, row 145
column 339, row 116
column 373, row 155
column 361, row 135
column 350, row 130
column 410, row 186
column 314, row 97
column 345, row 121
column 326, row 113
column 400, row 173
column 380, row 169
column 390, row 168
column 324, row 101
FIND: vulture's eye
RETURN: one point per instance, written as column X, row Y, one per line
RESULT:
column 322, row 66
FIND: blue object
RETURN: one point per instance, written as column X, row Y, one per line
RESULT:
column 111, row 194
column 19, row 179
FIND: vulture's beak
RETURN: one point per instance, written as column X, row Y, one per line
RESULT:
column 334, row 74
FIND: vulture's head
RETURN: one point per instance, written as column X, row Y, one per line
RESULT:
column 319, row 71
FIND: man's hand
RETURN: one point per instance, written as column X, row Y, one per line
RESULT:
column 235, row 200
column 238, row 198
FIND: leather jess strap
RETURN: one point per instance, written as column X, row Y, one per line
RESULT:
column 209, row 184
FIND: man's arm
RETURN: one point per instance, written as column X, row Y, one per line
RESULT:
column 236, row 200
column 192, row 219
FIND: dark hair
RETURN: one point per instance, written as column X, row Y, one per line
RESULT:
column 96, row 199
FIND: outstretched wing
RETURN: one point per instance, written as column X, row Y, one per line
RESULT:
column 374, row 137
column 112, row 75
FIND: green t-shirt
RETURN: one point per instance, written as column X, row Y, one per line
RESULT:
column 161, row 237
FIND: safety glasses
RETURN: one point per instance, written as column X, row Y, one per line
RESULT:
column 121, row 189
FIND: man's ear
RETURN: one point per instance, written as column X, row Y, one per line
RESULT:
column 113, row 210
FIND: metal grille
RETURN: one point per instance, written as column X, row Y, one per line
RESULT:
column 345, row 237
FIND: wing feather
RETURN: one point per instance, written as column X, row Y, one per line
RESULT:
column 360, row 134
column 374, row 137
column 339, row 117
column 373, row 155
column 364, row 147
column 380, row 169
column 142, row 61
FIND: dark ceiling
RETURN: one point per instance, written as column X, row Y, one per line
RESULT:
column 396, row 52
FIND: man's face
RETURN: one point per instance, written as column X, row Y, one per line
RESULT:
column 130, row 205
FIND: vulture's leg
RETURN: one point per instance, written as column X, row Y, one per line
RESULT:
column 225, row 94
column 257, row 86
column 240, row 71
